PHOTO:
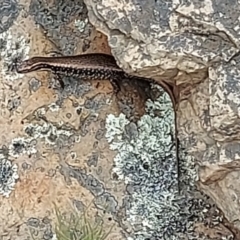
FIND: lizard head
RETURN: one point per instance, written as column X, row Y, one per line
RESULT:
column 30, row 65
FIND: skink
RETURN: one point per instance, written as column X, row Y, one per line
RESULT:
column 94, row 66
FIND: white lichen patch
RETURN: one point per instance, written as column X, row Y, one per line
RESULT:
column 48, row 132
column 12, row 48
column 155, row 137
column 81, row 24
column 8, row 177
column 147, row 162
column 27, row 145
column 20, row 146
column 54, row 107
column 115, row 127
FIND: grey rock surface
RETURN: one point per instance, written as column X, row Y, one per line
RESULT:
column 82, row 144
column 196, row 45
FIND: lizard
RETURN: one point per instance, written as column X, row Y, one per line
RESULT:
column 95, row 66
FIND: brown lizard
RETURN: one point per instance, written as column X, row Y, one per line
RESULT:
column 94, row 66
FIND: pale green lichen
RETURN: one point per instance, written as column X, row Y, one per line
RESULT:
column 81, row 24
column 53, row 107
column 12, row 48
column 48, row 132
column 146, row 161
column 27, row 145
column 20, row 146
column 8, row 176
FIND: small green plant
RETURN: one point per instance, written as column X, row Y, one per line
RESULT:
column 79, row 227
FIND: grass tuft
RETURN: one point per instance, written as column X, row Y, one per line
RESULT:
column 79, row 227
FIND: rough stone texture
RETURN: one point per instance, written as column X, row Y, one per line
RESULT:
column 48, row 136
column 80, row 144
column 195, row 44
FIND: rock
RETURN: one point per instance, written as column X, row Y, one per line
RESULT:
column 84, row 147
column 196, row 45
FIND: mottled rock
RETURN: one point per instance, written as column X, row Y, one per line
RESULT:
column 83, row 144
column 196, row 45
